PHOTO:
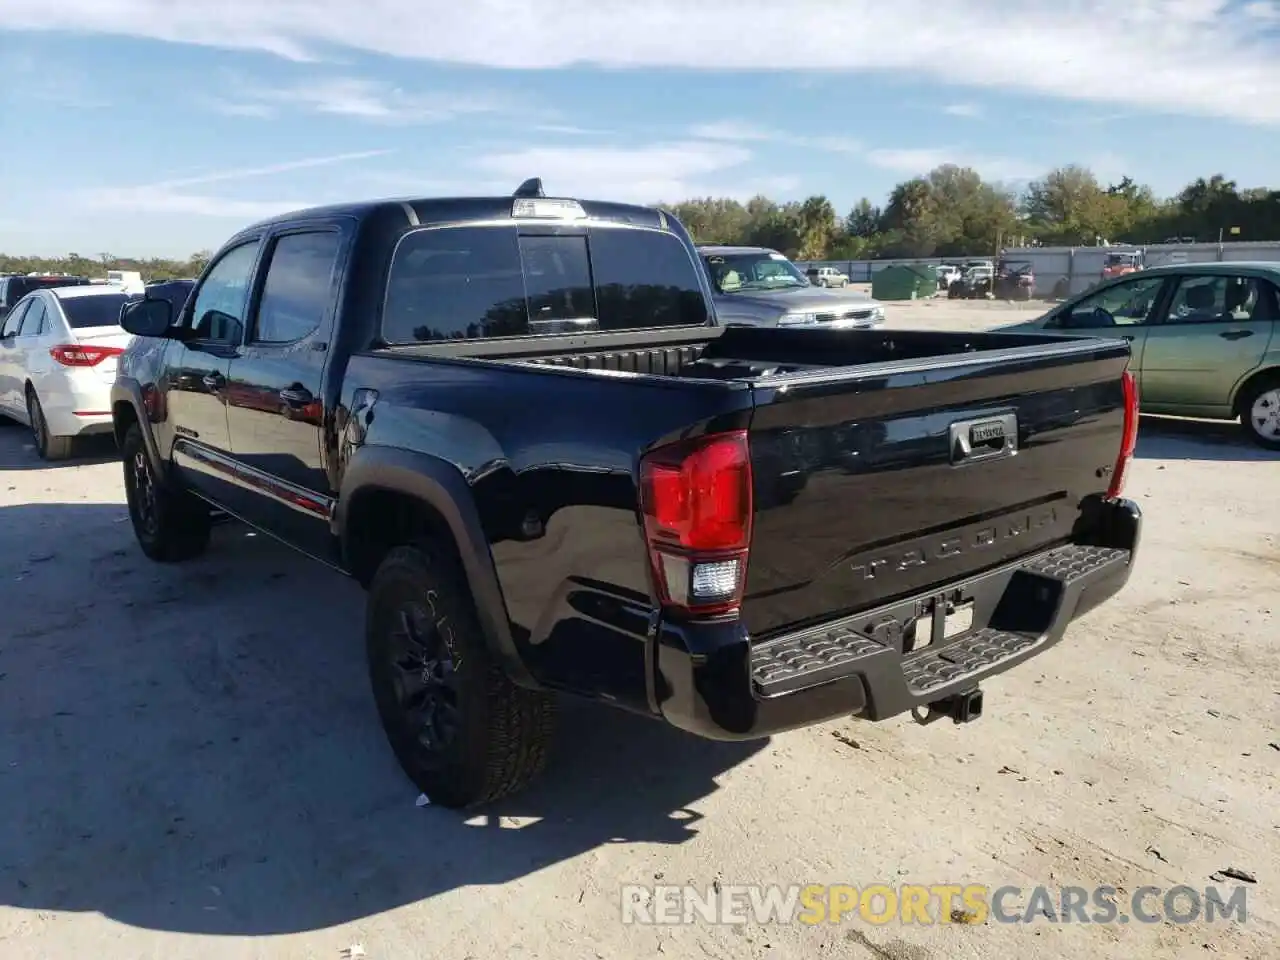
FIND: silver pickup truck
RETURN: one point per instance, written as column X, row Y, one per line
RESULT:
column 759, row 287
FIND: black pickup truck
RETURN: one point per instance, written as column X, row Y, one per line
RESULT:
column 517, row 423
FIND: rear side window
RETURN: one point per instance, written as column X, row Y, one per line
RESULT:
column 33, row 320
column 13, row 320
column 296, row 295
column 462, row 283
column 103, row 311
column 645, row 279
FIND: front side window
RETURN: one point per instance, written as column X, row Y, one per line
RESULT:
column 296, row 296
column 218, row 313
column 1122, row 304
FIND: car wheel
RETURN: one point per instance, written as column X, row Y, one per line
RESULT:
column 170, row 524
column 460, row 729
column 48, row 447
column 1260, row 412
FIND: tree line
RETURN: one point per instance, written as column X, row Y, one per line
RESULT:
column 77, row 265
column 949, row 212
column 953, row 212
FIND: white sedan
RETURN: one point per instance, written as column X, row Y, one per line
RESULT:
column 58, row 352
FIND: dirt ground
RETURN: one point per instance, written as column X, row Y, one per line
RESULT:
column 191, row 767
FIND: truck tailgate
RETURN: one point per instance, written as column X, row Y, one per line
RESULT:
column 881, row 481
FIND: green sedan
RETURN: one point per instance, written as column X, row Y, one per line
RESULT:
column 1204, row 335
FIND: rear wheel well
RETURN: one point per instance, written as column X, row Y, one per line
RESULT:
column 123, row 416
column 1270, row 374
column 380, row 520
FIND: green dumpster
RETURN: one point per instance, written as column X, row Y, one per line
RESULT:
column 904, row 282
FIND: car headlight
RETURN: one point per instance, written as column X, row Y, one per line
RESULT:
column 877, row 316
column 797, row 319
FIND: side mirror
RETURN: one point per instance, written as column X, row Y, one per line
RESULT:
column 147, row 318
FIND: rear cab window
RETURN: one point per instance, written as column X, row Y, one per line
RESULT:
column 465, row 283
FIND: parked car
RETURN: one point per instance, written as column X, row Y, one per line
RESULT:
column 827, row 277
column 1015, row 281
column 975, row 283
column 1121, row 264
column 58, row 354
column 1203, row 335
column 948, row 273
column 759, row 287
column 555, row 472
column 14, row 288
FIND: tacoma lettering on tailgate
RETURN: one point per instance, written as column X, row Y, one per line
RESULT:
column 979, row 537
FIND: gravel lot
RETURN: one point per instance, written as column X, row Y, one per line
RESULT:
column 190, row 763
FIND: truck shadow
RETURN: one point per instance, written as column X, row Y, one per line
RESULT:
column 1178, row 438
column 194, row 748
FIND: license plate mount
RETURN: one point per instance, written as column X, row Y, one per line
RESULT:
column 944, row 620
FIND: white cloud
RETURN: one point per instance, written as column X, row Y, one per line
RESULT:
column 245, row 173
column 143, row 200
column 664, row 171
column 564, row 129
column 1197, row 57
column 1267, row 11
column 835, row 144
column 353, row 97
column 737, row 131
column 233, row 108
column 915, row 161
column 970, row 111
column 169, row 196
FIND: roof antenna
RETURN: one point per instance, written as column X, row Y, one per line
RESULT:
column 530, row 188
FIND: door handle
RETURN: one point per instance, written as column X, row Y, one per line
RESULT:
column 296, row 395
column 214, row 381
column 1235, row 334
column 1127, row 336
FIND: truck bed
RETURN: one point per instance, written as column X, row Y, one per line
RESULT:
column 859, row 494
column 737, row 353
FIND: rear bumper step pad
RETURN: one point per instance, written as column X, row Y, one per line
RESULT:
column 1019, row 609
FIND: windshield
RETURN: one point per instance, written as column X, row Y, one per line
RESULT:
column 1119, row 259
column 759, row 270
column 101, row 311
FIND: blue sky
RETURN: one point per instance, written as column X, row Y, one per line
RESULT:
column 159, row 127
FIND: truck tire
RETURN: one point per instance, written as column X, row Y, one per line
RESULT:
column 460, row 729
column 171, row 525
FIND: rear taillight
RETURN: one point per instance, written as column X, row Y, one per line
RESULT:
column 1129, row 442
column 695, row 497
column 78, row 355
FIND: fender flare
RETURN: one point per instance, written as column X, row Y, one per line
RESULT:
column 127, row 390
column 441, row 486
